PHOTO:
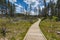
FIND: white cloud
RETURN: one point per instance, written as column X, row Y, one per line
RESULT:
column 19, row 8
column 32, row 13
column 55, row 1
column 47, row 0
column 36, row 4
column 13, row 1
column 42, row 7
column 30, row 1
column 18, row 5
column 51, row 0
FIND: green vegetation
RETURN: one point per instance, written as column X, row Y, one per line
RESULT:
column 14, row 29
column 51, row 28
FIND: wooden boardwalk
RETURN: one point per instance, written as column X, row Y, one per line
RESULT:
column 34, row 33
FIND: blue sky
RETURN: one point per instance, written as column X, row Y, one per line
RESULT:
column 24, row 4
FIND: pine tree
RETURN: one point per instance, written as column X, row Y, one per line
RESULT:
column 58, row 7
column 45, row 10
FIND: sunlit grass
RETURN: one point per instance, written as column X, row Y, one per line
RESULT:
column 16, row 30
column 50, row 29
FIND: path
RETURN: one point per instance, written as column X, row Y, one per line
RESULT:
column 34, row 33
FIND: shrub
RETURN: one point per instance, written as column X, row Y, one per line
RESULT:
column 54, row 18
column 13, row 38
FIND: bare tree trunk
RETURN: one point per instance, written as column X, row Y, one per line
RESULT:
column 45, row 10
column 2, row 13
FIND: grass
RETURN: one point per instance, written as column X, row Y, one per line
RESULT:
column 50, row 29
column 15, row 30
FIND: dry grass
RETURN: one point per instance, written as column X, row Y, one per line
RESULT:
column 15, row 30
column 50, row 29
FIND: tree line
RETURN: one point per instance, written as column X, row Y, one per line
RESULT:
column 52, row 8
column 10, row 8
